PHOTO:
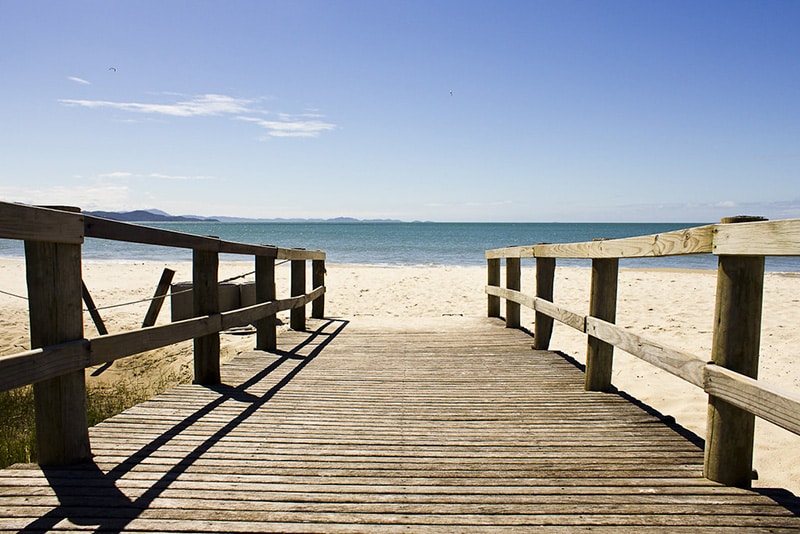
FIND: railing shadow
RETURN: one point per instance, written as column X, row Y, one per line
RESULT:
column 87, row 496
column 782, row 497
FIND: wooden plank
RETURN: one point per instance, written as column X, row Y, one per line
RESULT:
column 135, row 233
column 24, row 368
column 158, row 298
column 18, row 221
column 511, row 295
column 569, row 318
column 106, row 349
column 681, row 364
column 300, row 254
column 510, row 252
column 778, row 407
column 231, row 247
column 93, row 313
column 769, row 238
column 697, row 240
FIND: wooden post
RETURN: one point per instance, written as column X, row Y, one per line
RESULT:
column 735, row 346
column 297, row 317
column 543, row 324
column 603, row 305
column 513, row 275
column 318, row 280
column 266, row 332
column 53, row 272
column 205, row 267
column 158, row 298
column 493, row 266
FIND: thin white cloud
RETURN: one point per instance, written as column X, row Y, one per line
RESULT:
column 178, row 177
column 291, row 126
column 115, row 175
column 199, row 106
column 79, row 80
column 214, row 105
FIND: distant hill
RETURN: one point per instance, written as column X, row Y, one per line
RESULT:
column 145, row 216
column 154, row 215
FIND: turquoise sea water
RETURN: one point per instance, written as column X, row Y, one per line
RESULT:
column 397, row 244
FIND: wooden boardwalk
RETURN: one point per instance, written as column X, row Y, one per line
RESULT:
column 452, row 425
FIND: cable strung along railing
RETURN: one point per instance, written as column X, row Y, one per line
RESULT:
column 735, row 396
column 60, row 352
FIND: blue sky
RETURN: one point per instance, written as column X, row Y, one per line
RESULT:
column 680, row 111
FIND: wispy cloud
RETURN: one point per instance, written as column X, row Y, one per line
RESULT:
column 199, row 106
column 216, row 105
column 79, row 80
column 126, row 176
column 179, row 177
column 292, row 126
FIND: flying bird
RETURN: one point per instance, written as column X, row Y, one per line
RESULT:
column 451, row 92
column 112, row 68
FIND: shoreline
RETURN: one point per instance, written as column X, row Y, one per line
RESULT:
column 670, row 306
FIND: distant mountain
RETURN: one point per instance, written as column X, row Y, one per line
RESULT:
column 154, row 215
column 144, row 216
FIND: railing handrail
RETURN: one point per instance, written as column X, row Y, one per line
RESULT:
column 762, row 238
column 55, row 366
column 52, row 225
column 750, row 241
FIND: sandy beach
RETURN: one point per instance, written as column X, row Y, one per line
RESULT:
column 670, row 306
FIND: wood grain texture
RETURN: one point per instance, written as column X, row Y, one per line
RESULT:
column 697, row 240
column 455, row 426
column 778, row 407
column 681, row 364
column 40, row 224
column 771, row 238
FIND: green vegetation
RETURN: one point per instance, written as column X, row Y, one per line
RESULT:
column 18, row 426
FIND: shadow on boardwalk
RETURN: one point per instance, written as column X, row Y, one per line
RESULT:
column 112, row 509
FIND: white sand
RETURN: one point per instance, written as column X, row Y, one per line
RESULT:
column 673, row 307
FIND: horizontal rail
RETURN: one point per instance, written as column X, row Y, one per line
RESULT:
column 100, row 228
column 771, row 404
column 780, row 408
column 763, row 238
column 18, row 221
column 696, row 240
column 33, row 366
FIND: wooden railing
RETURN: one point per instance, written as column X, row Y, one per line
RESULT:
column 735, row 396
column 60, row 353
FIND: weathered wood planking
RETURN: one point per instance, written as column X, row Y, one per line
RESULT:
column 456, row 426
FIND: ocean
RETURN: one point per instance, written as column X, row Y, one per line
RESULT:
column 402, row 244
